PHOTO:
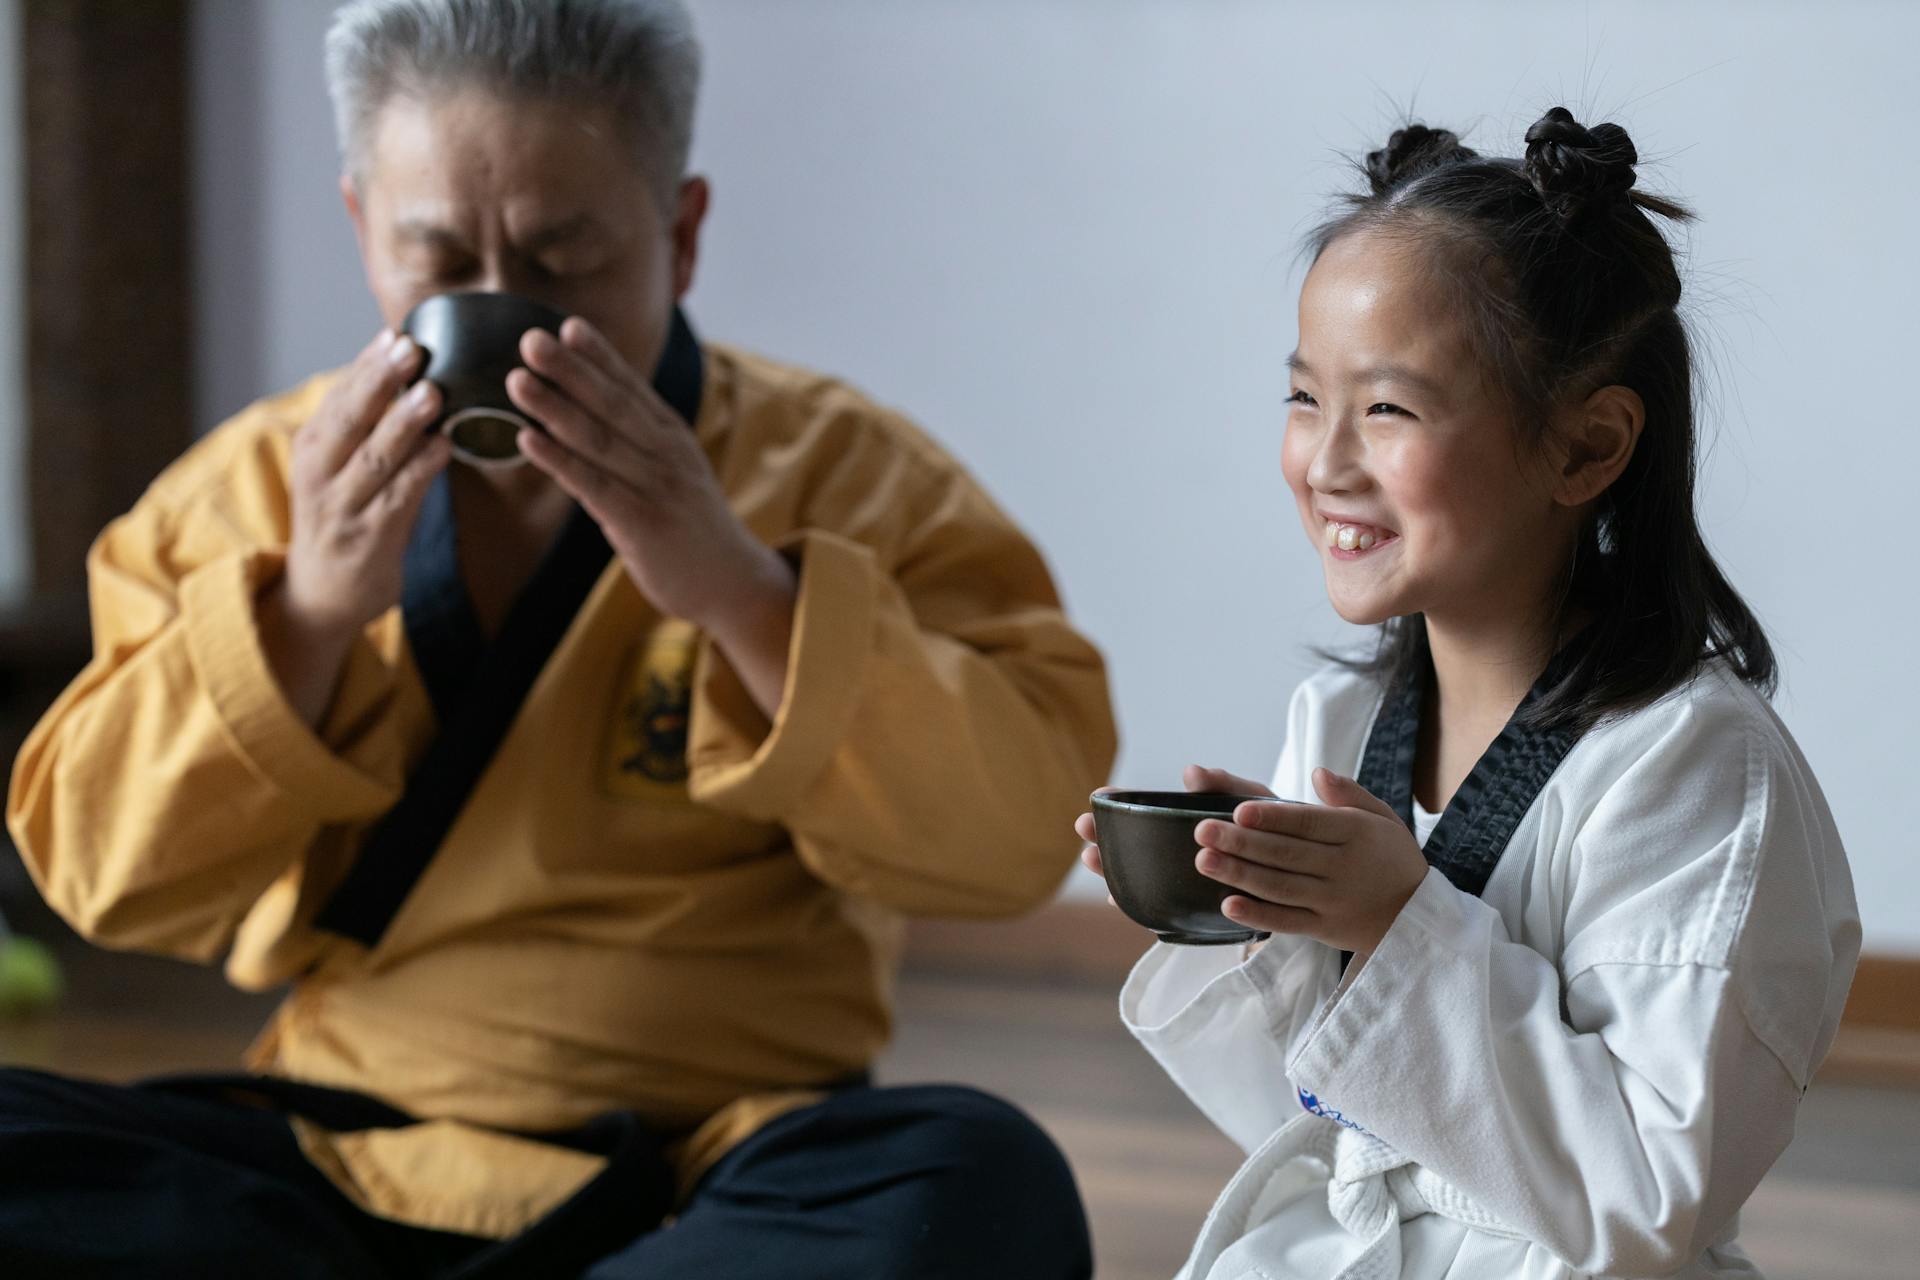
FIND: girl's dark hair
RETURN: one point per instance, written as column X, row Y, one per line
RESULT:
column 1566, row 285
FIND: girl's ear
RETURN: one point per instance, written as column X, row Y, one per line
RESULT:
column 1597, row 440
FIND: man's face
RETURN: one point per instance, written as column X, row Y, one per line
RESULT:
column 472, row 191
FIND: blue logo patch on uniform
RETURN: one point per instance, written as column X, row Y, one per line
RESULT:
column 1313, row 1106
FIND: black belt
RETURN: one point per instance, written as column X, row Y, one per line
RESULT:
column 628, row 1197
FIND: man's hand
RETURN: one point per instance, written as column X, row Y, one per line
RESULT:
column 1338, row 873
column 361, row 467
column 627, row 458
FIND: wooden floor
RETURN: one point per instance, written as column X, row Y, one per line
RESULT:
column 1843, row 1204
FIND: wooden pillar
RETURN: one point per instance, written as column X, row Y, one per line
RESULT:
column 109, row 334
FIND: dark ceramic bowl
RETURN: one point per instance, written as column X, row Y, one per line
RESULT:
column 1147, row 849
column 472, row 341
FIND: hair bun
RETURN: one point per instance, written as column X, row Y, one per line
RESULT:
column 1575, row 168
column 1410, row 152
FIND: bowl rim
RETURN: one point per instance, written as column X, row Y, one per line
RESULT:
column 496, row 299
column 1111, row 800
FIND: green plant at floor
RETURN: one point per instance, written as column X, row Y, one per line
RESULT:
column 30, row 979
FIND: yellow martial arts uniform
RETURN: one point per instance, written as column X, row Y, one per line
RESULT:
column 653, row 899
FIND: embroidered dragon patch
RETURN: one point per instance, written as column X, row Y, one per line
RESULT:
column 647, row 754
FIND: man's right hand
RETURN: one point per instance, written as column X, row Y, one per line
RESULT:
column 361, row 468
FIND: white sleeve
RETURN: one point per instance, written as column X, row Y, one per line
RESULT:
column 1223, row 1029
column 1209, row 1019
column 1620, row 1109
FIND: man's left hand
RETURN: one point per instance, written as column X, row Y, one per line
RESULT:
column 625, row 456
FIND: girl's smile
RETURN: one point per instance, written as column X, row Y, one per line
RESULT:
column 1351, row 539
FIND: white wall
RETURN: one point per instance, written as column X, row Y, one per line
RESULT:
column 281, row 290
column 15, row 560
column 1061, row 233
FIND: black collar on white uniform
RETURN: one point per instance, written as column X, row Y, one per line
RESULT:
column 1480, row 820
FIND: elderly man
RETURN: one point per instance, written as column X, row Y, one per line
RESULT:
column 580, row 801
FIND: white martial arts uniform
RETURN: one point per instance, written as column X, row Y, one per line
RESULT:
column 1583, row 1072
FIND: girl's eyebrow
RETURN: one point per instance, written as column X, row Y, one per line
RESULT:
column 1400, row 373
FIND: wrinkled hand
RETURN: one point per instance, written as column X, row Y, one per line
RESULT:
column 624, row 455
column 1338, row 872
column 1196, row 778
column 361, row 467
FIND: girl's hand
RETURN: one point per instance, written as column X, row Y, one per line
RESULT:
column 1196, row 778
column 1338, row 874
column 1090, row 853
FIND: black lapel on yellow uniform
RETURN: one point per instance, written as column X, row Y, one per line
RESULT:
column 477, row 689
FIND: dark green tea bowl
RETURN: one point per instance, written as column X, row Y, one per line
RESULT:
column 1147, row 851
column 472, row 341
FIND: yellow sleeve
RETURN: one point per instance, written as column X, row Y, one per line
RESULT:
column 942, row 723
column 171, row 783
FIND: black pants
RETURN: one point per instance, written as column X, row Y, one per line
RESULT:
column 119, row 1181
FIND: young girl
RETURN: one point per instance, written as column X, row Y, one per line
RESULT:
column 1558, row 950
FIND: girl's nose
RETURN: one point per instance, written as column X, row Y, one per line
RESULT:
column 1337, row 464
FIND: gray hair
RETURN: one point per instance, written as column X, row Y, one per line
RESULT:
column 638, row 57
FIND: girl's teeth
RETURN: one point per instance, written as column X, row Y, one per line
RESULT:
column 1349, row 537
